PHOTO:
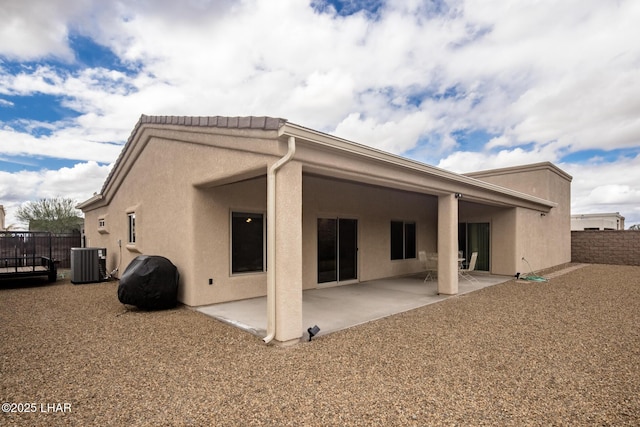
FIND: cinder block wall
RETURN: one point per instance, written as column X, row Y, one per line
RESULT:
column 606, row 247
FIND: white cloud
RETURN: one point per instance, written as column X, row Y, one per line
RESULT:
column 37, row 28
column 67, row 143
column 573, row 66
column 468, row 161
column 392, row 136
column 545, row 78
column 78, row 183
column 607, row 187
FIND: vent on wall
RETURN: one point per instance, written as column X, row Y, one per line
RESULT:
column 88, row 265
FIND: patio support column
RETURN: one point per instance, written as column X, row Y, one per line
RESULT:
column 448, row 244
column 288, row 283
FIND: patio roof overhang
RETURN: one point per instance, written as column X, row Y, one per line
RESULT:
column 362, row 164
column 379, row 168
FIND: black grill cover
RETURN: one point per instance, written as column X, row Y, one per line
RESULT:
column 150, row 283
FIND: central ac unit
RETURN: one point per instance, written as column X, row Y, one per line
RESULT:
column 88, row 265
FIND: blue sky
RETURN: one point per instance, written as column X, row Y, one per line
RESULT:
column 462, row 85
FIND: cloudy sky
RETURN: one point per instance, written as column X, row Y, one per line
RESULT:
column 460, row 84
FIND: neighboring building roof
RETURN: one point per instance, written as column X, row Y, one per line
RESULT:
column 597, row 221
column 279, row 127
column 598, row 215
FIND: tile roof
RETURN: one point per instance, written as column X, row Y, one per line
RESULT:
column 247, row 122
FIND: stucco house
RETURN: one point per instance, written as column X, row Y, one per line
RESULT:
column 255, row 206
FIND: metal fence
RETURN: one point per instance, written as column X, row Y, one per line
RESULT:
column 24, row 248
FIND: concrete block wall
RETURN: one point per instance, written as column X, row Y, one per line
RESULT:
column 606, row 247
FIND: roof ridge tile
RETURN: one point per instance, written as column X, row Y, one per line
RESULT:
column 238, row 122
column 231, row 122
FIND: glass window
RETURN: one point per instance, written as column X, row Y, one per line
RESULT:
column 403, row 240
column 247, row 242
column 397, row 240
column 409, row 240
column 101, row 223
column 132, row 227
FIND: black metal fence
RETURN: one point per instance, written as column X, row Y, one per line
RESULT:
column 25, row 248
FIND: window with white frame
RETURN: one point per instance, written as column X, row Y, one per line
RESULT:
column 101, row 222
column 132, row 227
column 403, row 240
column 247, row 242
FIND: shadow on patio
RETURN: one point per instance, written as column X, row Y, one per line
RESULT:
column 340, row 307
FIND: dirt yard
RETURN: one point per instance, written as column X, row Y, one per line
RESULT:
column 566, row 352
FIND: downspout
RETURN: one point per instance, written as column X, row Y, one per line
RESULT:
column 271, row 240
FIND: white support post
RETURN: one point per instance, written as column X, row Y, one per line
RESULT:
column 288, row 246
column 448, row 244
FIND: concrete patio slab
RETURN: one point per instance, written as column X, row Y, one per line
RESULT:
column 340, row 307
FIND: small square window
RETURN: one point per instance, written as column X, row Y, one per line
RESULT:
column 101, row 222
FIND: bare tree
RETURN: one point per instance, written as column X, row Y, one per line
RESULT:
column 57, row 215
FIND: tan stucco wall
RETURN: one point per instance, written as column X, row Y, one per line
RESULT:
column 172, row 214
column 542, row 238
column 211, row 211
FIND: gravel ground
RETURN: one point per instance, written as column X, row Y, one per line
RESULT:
column 565, row 352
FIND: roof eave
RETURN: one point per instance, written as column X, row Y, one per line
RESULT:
column 90, row 202
column 340, row 144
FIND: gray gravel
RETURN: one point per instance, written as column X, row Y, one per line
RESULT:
column 565, row 352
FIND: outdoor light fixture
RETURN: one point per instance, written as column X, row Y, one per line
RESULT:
column 458, row 196
column 313, row 331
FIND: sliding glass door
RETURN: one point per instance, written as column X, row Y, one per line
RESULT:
column 337, row 249
column 475, row 237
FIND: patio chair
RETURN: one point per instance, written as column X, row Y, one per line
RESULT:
column 429, row 262
column 465, row 273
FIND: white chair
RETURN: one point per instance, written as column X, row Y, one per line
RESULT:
column 465, row 273
column 429, row 262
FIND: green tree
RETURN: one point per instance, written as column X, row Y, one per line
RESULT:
column 57, row 215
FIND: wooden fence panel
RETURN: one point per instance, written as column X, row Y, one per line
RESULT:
column 61, row 245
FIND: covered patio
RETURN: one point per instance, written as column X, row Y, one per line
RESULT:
column 340, row 307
